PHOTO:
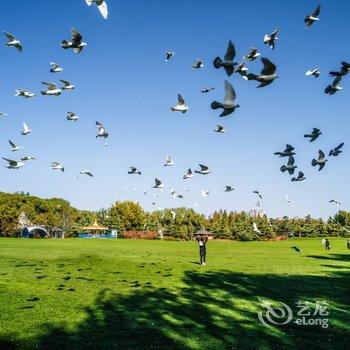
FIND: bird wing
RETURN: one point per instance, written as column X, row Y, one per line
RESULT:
column 230, row 93
column 321, row 155
column 253, row 51
column 157, row 182
column 345, row 65
column 231, row 52
column 10, row 37
column 203, row 167
column 269, row 67
column 317, row 11
column 65, row 82
column 76, row 36
column 289, row 148
column 10, row 161
column 219, row 127
column 180, row 100
column 25, row 127
column 103, row 9
column 300, row 175
column 189, row 171
column 274, row 33
column 51, row 86
column 339, row 147
column 336, row 81
column 88, row 173
column 12, row 144
column 287, row 198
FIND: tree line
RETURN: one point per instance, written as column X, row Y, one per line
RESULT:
column 177, row 223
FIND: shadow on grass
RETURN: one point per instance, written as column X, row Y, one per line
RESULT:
column 211, row 310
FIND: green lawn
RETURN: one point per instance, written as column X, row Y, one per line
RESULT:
column 122, row 294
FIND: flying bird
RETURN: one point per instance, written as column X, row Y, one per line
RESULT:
column 315, row 133
column 14, row 147
column 188, row 174
column 13, row 164
column 180, row 106
column 24, row 93
column 101, row 5
column 197, row 64
column 75, row 43
column 300, row 177
column 337, row 150
column 26, row 158
column 2, row 114
column 255, row 228
column 334, row 87
column 313, row 72
column 71, row 116
column 204, row 170
column 55, row 68
column 228, row 105
column 270, row 39
column 133, row 170
column 321, row 161
column 157, row 184
column 288, row 199
column 205, row 193
column 101, row 130
column 219, row 129
column 52, row 90
column 296, row 249
column 227, row 62
column 13, row 42
column 287, row 152
column 85, row 172
column 258, row 194
column 334, row 201
column 313, row 17
column 169, row 55
column 229, row 189
column 26, row 129
column 267, row 75
column 206, row 90
column 344, row 70
column 252, row 55
column 66, row 85
column 57, row 166
column 242, row 70
column 290, row 167
column 168, row 161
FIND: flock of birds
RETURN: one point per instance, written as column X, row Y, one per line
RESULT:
column 227, row 106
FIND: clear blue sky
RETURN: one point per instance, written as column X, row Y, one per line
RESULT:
column 121, row 79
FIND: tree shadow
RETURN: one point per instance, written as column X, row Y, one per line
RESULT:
column 210, row 310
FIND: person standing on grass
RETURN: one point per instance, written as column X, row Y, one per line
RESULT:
column 202, row 249
column 327, row 245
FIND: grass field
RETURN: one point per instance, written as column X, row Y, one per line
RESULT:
column 123, row 294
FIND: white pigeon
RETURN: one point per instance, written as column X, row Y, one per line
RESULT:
column 205, row 193
column 168, row 161
column 57, row 166
column 101, row 130
column 180, row 106
column 13, row 42
column 55, row 68
column 13, row 164
column 269, row 39
column 26, row 158
column 255, row 228
column 134, row 170
column 66, row 85
column 24, row 93
column 288, row 199
column 52, row 90
column 26, row 129
column 169, row 55
column 204, row 170
column 85, row 172
column 75, row 43
column 158, row 184
column 313, row 72
column 2, row 114
column 101, row 5
column 220, row 129
column 14, row 147
column 72, row 116
column 188, row 174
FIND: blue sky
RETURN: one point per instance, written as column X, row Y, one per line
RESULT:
column 122, row 80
